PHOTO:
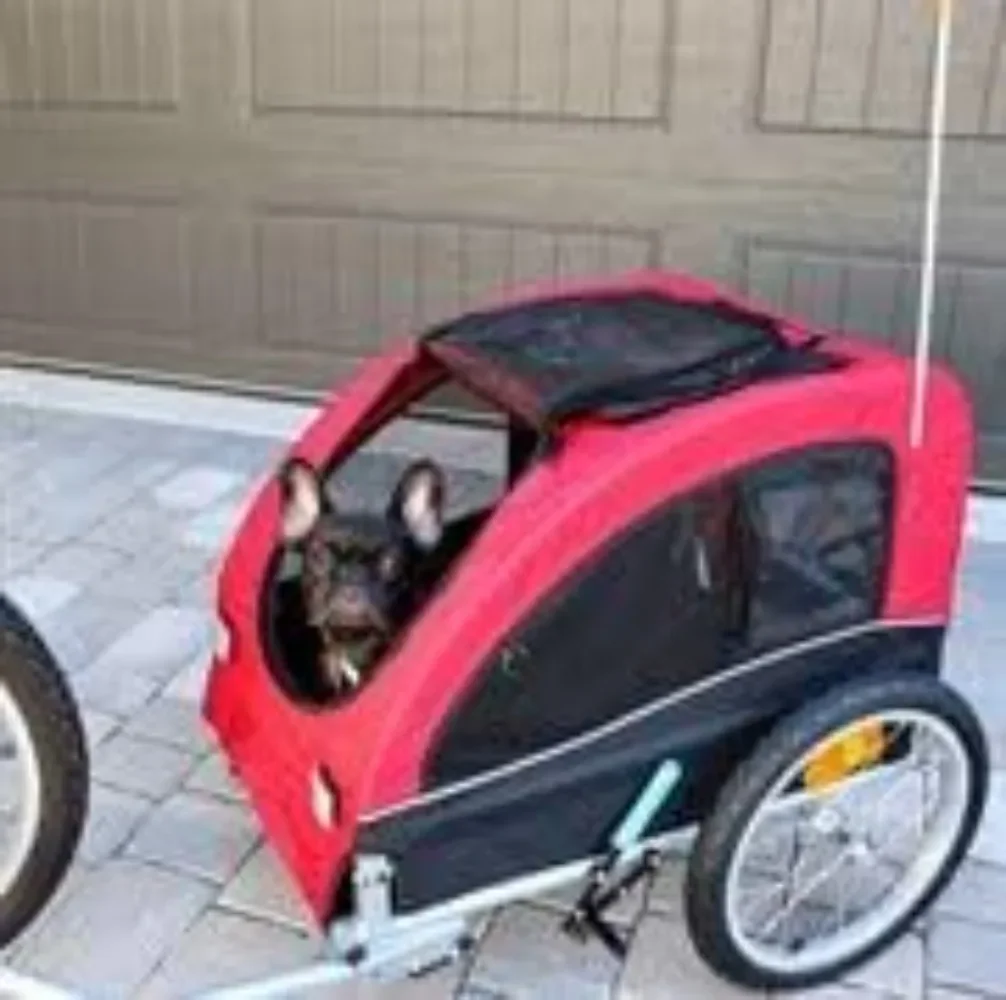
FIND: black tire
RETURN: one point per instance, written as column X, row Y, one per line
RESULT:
column 787, row 742
column 31, row 676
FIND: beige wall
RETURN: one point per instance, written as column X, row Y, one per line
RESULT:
column 262, row 190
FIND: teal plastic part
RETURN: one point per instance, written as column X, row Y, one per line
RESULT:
column 651, row 800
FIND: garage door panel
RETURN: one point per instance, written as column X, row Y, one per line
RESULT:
column 995, row 98
column 38, row 273
column 16, row 55
column 840, row 89
column 123, row 265
column 83, row 53
column 901, row 67
column 580, row 254
column 266, row 191
column 51, row 75
column 293, row 56
column 975, row 67
column 488, row 262
column 349, row 283
column 977, row 346
column 444, row 68
column 876, row 293
column 329, row 292
column 491, row 40
column 398, row 276
column 804, row 71
column 592, row 60
column 541, row 75
column 296, row 260
column 863, row 291
column 766, row 273
column 823, row 284
column 89, row 54
column 225, row 298
column 816, row 287
column 644, row 69
column 533, row 254
column 441, row 269
column 118, row 38
column 135, row 268
column 628, row 253
column 864, row 66
column 355, row 65
column 789, row 33
column 401, row 54
column 123, row 73
column 356, row 280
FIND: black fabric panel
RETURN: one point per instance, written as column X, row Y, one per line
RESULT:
column 514, row 830
column 620, row 356
column 564, row 807
column 637, row 622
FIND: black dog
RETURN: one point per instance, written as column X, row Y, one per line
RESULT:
column 362, row 573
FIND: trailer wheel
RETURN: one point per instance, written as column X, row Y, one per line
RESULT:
column 839, row 830
column 43, row 774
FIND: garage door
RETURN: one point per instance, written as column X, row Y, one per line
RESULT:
column 259, row 192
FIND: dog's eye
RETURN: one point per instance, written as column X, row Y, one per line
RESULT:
column 389, row 565
column 318, row 560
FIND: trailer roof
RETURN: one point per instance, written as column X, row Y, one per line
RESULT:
column 621, row 355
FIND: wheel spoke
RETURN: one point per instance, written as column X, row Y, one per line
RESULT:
column 896, row 786
column 840, row 902
column 763, row 894
column 809, row 888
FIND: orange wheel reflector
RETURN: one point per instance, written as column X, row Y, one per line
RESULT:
column 854, row 748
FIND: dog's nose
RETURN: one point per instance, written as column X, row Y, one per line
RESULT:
column 351, row 600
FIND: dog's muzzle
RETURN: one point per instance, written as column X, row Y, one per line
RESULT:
column 351, row 612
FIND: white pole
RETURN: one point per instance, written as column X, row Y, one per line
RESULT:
column 930, row 238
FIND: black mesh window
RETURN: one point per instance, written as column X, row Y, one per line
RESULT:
column 640, row 620
column 820, row 525
column 621, row 356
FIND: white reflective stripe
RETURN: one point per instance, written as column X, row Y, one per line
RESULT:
column 702, row 570
column 623, row 721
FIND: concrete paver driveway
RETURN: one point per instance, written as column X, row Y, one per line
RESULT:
column 110, row 530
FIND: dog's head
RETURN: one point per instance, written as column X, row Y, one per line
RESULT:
column 357, row 566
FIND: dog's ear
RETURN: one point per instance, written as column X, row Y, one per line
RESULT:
column 302, row 499
column 417, row 504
